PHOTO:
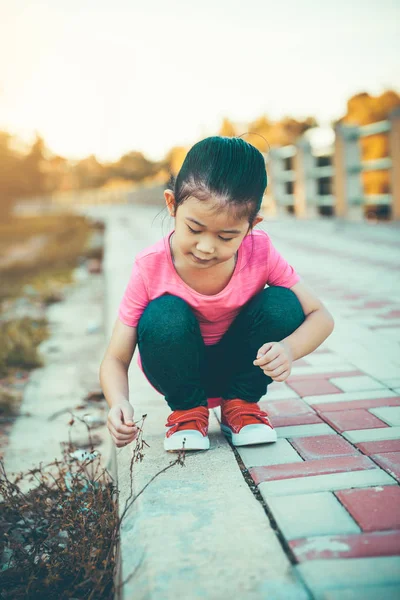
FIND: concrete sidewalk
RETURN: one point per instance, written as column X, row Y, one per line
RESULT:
column 329, row 523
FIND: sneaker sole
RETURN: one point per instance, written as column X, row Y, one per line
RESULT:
column 248, row 437
column 192, row 442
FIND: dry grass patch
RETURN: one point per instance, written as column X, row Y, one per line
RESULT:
column 61, row 539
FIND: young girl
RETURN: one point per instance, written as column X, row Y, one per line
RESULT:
column 197, row 306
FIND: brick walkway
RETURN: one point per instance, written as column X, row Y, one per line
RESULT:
column 331, row 481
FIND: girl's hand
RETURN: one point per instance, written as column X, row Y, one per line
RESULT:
column 275, row 359
column 120, row 424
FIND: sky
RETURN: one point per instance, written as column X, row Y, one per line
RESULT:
column 105, row 78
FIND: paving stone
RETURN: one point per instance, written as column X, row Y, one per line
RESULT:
column 311, row 514
column 391, row 382
column 389, row 330
column 353, row 404
column 321, row 360
column 371, row 435
column 379, row 447
column 325, row 483
column 307, row 468
column 304, row 430
column 349, row 396
column 390, row 461
column 360, row 383
column 278, row 393
column 389, row 414
column 372, row 592
column 352, row 419
column 322, row 446
column 313, row 387
column 302, row 362
column 344, row 573
column 344, row 366
column 377, row 543
column 374, row 509
column 323, row 350
column 325, row 375
column 268, row 454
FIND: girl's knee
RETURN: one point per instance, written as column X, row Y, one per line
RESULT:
column 166, row 314
column 277, row 301
column 278, row 294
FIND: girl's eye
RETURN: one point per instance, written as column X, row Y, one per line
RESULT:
column 221, row 238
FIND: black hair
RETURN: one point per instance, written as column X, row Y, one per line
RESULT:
column 228, row 169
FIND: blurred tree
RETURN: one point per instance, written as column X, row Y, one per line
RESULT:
column 363, row 109
column 174, row 159
column 90, row 173
column 32, row 168
column 10, row 173
column 279, row 133
column 134, row 166
column 227, row 129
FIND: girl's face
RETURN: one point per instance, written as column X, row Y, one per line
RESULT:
column 204, row 238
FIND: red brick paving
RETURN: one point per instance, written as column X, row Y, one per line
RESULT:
column 293, row 420
column 376, row 304
column 358, row 545
column 379, row 446
column 313, row 387
column 353, row 404
column 323, row 466
column 393, row 314
column 323, row 446
column 390, row 461
column 292, row 406
column 285, row 413
column 347, row 420
column 352, row 296
column 374, row 509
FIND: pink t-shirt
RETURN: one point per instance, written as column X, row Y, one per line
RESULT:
column 153, row 274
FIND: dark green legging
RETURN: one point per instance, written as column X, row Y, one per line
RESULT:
column 182, row 368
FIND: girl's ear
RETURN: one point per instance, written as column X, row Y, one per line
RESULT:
column 170, row 202
column 257, row 220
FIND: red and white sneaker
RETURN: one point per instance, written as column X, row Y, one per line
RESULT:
column 189, row 426
column 244, row 423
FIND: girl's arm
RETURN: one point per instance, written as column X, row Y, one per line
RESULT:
column 114, row 382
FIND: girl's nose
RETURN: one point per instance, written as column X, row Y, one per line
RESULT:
column 206, row 248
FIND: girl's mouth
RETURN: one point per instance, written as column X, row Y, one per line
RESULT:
column 200, row 260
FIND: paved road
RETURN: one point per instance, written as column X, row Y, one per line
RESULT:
column 329, row 524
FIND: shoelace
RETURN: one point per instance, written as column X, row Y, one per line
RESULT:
column 193, row 418
column 239, row 413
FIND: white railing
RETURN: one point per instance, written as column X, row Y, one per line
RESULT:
column 299, row 184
